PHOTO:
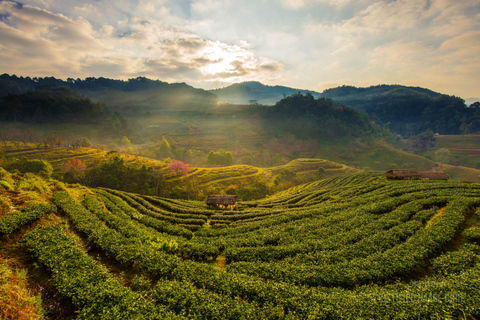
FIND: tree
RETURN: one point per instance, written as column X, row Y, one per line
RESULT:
column 125, row 142
column 442, row 156
column 179, row 168
column 58, row 140
column 75, row 167
column 464, row 128
column 211, row 158
column 228, row 158
column 164, row 151
column 159, row 184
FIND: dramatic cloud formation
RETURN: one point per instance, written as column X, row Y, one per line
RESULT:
column 312, row 44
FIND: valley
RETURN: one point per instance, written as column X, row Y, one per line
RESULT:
column 103, row 213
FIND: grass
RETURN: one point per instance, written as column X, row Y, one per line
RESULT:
column 217, row 177
column 16, row 300
column 460, row 173
column 464, row 149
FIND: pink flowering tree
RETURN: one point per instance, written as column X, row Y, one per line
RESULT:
column 179, row 168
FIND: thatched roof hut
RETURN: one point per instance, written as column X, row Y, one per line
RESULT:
column 437, row 175
column 403, row 174
column 222, row 201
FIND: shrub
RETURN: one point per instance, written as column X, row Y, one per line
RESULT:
column 472, row 234
column 6, row 185
column 38, row 166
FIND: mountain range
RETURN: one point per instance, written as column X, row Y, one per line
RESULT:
column 404, row 110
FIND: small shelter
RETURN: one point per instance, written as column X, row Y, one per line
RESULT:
column 222, row 201
column 436, row 175
column 403, row 174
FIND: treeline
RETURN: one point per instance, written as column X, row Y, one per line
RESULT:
column 136, row 93
column 49, row 103
column 14, row 84
column 410, row 110
column 310, row 118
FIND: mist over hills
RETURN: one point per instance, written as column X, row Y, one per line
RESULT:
column 243, row 93
column 135, row 95
column 403, row 110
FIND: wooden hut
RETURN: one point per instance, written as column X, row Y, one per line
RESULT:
column 434, row 175
column 222, row 201
column 403, row 174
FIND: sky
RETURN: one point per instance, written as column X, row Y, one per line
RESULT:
column 307, row 44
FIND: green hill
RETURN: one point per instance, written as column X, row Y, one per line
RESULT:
column 465, row 150
column 132, row 97
column 409, row 110
column 144, row 175
column 347, row 247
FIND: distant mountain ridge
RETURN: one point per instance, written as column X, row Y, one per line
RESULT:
column 133, row 94
column 243, row 93
column 409, row 110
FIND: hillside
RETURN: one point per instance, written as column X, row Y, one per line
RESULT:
column 256, row 92
column 465, row 150
column 409, row 110
column 133, row 97
column 348, row 247
column 149, row 176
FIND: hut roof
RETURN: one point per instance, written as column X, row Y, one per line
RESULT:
column 221, row 199
column 402, row 173
column 434, row 175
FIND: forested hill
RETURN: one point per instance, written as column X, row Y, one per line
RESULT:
column 245, row 92
column 134, row 95
column 50, row 102
column 320, row 119
column 410, row 110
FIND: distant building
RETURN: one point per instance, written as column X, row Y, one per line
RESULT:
column 406, row 174
column 222, row 201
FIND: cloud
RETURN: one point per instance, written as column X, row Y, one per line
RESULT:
column 297, row 4
column 67, row 47
column 301, row 43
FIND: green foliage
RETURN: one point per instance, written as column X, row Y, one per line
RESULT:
column 442, row 155
column 308, row 118
column 42, row 167
column 164, row 150
column 125, row 142
column 339, row 248
column 96, row 293
column 51, row 102
column 222, row 158
column 457, row 261
column 6, row 185
column 472, row 234
column 140, row 283
column 409, row 110
column 14, row 221
column 423, row 142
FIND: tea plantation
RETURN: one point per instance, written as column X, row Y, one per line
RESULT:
column 349, row 247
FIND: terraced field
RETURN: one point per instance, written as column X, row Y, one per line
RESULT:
column 213, row 176
column 355, row 246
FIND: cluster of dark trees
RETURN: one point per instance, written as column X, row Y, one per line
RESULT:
column 141, row 94
column 221, row 158
column 14, row 84
column 310, row 118
column 49, row 103
column 410, row 110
